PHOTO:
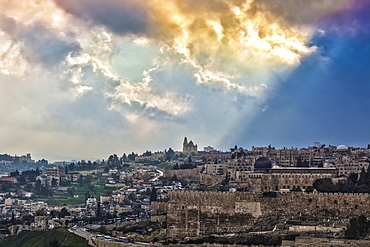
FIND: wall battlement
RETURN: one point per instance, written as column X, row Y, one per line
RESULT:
column 200, row 213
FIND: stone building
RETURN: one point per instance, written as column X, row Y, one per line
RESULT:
column 53, row 172
column 283, row 157
column 189, row 147
column 268, row 178
column 346, row 169
column 216, row 169
column 305, row 155
column 44, row 179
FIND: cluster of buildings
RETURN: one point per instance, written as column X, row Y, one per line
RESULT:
column 261, row 169
column 9, row 160
column 129, row 202
column 270, row 169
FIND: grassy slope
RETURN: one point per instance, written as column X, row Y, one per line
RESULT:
column 44, row 238
column 65, row 200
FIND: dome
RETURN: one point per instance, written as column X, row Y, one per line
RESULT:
column 43, row 175
column 262, row 163
column 342, row 147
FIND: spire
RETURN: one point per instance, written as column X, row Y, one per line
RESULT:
column 185, row 140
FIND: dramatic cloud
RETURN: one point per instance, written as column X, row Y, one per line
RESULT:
column 124, row 75
column 121, row 16
column 330, row 102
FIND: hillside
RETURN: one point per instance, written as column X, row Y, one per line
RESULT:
column 57, row 237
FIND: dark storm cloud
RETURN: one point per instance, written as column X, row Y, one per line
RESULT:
column 121, row 16
column 45, row 47
column 41, row 45
column 303, row 11
column 351, row 21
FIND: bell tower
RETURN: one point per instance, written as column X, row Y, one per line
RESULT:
column 185, row 144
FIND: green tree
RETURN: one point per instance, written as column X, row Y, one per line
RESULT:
column 54, row 182
column 170, row 154
column 54, row 243
column 4, row 187
column 364, row 177
column 325, row 185
column 87, row 195
column 71, row 166
column 98, row 210
column 91, row 188
column 299, row 162
column 113, row 160
column 357, row 228
column 131, row 156
column 153, row 195
column 80, row 180
column 89, row 165
column 124, row 158
column 63, row 213
column 14, row 174
column 70, row 191
column 22, row 180
column 88, row 179
column 309, row 189
column 13, row 218
column 353, row 177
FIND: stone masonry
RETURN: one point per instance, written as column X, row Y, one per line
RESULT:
column 196, row 213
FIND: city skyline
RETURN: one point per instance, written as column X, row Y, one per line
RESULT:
column 50, row 157
column 88, row 79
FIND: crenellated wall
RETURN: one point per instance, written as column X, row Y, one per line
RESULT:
column 182, row 173
column 198, row 213
column 195, row 213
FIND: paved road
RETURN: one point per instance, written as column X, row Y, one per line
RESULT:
column 82, row 230
column 159, row 175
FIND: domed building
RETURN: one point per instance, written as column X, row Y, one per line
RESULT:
column 44, row 179
column 267, row 177
column 342, row 148
column 262, row 163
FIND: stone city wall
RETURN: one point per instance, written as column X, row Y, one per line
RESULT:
column 182, row 173
column 160, row 208
column 194, row 214
column 318, row 204
column 210, row 179
column 345, row 204
column 197, row 213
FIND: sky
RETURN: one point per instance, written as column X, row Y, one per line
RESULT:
column 85, row 78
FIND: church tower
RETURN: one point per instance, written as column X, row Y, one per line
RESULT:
column 185, row 144
column 189, row 147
